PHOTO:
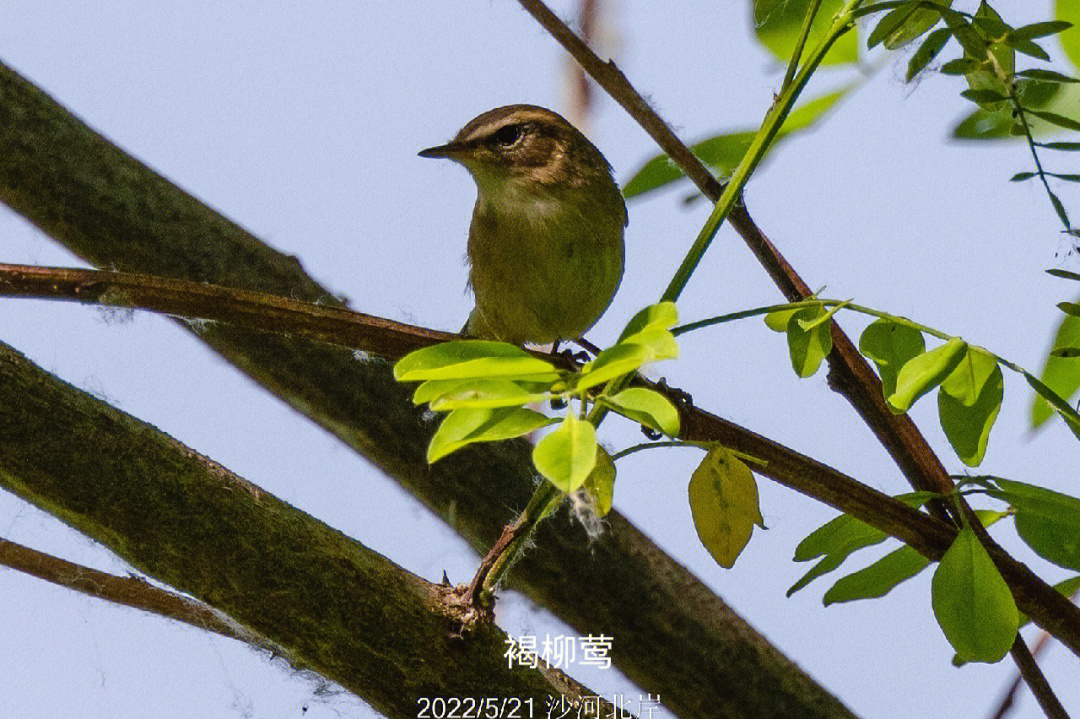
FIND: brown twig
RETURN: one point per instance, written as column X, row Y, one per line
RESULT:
column 129, row 591
column 185, row 298
column 1035, row 680
column 929, row 536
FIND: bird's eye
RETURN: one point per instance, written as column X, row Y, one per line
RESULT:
column 507, row 136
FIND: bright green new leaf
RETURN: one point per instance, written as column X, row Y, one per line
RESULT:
column 808, row 348
column 567, row 455
column 924, row 372
column 1069, row 11
column 613, row 362
column 838, row 538
column 600, row 484
column 659, row 342
column 724, row 503
column 724, row 152
column 778, row 22
column 973, row 603
column 469, row 359
column 967, row 380
column 646, row 407
column 466, row 426
column 1060, row 375
column 484, row 393
column 968, row 427
column 778, row 321
column 890, row 345
column 1047, row 521
column 879, row 578
column 663, row 315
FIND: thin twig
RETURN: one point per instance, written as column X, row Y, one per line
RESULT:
column 800, row 43
column 129, row 591
column 1036, row 681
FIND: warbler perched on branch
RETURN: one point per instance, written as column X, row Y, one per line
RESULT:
column 546, row 239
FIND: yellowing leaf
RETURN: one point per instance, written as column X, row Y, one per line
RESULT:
column 600, row 484
column 724, row 503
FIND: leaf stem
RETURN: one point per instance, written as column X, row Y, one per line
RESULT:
column 804, row 33
column 774, row 120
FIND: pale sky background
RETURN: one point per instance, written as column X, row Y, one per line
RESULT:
column 302, row 123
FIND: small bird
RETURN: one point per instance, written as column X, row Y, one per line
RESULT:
column 546, row 240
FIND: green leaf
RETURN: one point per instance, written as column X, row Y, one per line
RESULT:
column 567, row 455
column 968, row 426
column 927, row 51
column 466, row 426
column 613, row 362
column 724, row 503
column 984, row 97
column 960, row 66
column 1067, row 147
column 973, row 603
column 1054, row 118
column 1061, row 376
column 839, row 538
column 778, row 321
column 600, row 484
column 1069, row 308
column 647, row 407
column 1046, row 75
column 1064, row 274
column 1066, row 588
column 1021, row 176
column 890, row 346
column 879, row 578
column 724, row 152
column 904, row 24
column 1040, row 29
column 1065, row 352
column 663, row 315
column 660, row 343
column 778, row 22
column 483, row 393
column 1069, row 11
column 808, row 348
column 1054, row 400
column 1047, row 521
column 921, row 374
column 966, row 381
column 436, row 388
column 469, row 359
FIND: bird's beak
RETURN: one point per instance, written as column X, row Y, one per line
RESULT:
column 451, row 150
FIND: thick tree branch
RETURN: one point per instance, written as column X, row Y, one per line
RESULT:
column 189, row 522
column 673, row 636
column 255, row 310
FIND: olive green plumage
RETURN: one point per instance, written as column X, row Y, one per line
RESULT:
column 546, row 240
